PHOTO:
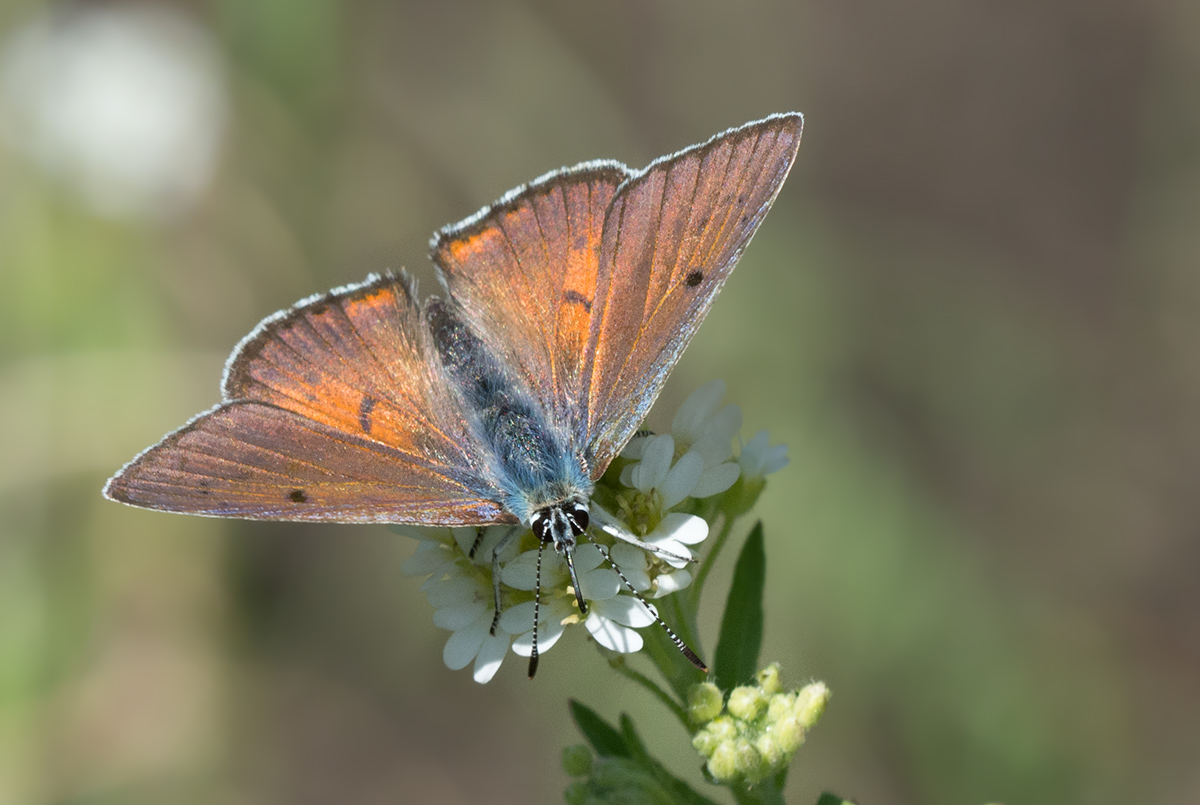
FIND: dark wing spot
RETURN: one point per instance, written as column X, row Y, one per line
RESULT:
column 364, row 413
column 694, row 279
column 573, row 297
column 298, row 496
column 204, row 488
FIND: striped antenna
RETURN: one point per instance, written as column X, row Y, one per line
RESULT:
column 537, row 602
column 679, row 644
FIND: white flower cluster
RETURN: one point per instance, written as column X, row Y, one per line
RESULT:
column 659, row 474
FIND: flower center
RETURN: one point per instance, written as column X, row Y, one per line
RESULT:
column 641, row 511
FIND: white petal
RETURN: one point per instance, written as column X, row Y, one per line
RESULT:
column 696, row 409
column 632, row 562
column 656, row 462
column 716, row 480
column 599, row 584
column 754, row 453
column 726, row 423
column 548, row 634
column 491, row 654
column 671, row 582
column 625, row 610
column 587, row 557
column 521, row 572
column 613, row 636
column 517, row 618
column 776, row 459
column 453, row 590
column 681, row 479
column 464, row 644
column 627, row 475
column 715, row 443
column 686, row 528
column 428, row 557
column 418, row 532
column 465, row 538
column 633, row 450
column 458, row 616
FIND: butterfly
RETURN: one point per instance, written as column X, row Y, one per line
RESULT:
column 566, row 305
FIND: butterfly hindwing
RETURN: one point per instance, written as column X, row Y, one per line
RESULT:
column 344, row 381
column 257, row 461
column 672, row 235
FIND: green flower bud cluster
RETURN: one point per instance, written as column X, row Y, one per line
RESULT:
column 754, row 733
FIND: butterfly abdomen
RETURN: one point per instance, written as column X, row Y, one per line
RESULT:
column 534, row 464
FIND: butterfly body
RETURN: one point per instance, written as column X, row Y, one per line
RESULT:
column 532, row 462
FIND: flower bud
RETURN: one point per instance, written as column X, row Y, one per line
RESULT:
column 750, row 762
column 704, row 703
column 768, row 747
column 746, row 702
column 810, row 703
column 788, row 734
column 705, row 743
column 723, row 728
column 723, row 763
column 768, row 679
column 780, row 705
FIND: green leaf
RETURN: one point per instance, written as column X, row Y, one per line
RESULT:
column 603, row 737
column 680, row 791
column 736, row 659
column 832, row 799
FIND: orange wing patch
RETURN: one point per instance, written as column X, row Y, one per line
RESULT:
column 357, row 361
column 525, row 274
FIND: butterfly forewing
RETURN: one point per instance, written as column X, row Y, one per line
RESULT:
column 524, row 276
column 260, row 462
column 671, row 237
column 347, row 381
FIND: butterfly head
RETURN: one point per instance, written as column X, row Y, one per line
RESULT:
column 559, row 524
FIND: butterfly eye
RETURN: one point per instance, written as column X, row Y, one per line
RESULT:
column 578, row 517
column 541, row 525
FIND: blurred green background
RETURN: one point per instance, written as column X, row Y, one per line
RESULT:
column 974, row 316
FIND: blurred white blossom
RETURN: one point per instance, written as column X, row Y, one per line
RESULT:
column 125, row 104
column 760, row 458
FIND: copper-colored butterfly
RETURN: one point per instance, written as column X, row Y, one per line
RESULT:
column 567, row 303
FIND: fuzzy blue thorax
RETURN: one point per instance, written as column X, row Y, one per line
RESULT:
column 535, row 465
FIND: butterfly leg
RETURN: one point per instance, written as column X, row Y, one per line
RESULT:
column 609, row 526
column 499, row 549
column 479, row 532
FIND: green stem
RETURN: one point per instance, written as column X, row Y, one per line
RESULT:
column 706, row 566
column 767, row 792
column 620, row 666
